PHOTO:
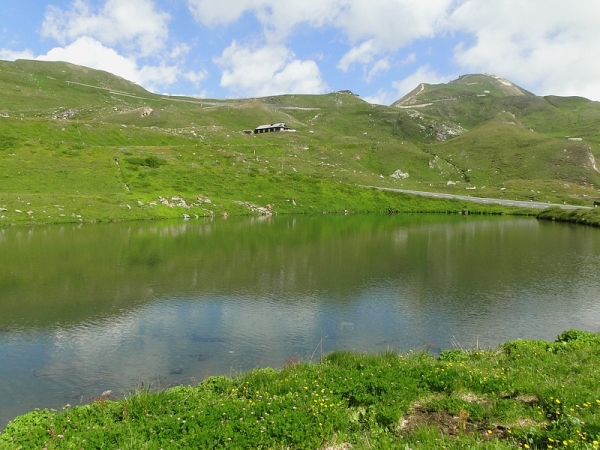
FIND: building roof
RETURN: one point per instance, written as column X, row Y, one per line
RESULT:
column 272, row 125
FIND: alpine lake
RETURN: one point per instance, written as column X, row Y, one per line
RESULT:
column 87, row 309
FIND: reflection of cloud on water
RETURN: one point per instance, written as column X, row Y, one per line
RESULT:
column 400, row 237
column 124, row 346
column 462, row 271
column 194, row 335
column 275, row 326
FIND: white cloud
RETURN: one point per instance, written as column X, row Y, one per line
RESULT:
column 267, row 70
column 381, row 97
column 179, row 51
column 224, row 12
column 117, row 37
column 134, row 24
column 279, row 17
column 410, row 58
column 546, row 45
column 11, row 55
column 364, row 53
column 393, row 21
column 153, row 76
column 196, row 77
column 373, row 27
column 382, row 65
column 88, row 52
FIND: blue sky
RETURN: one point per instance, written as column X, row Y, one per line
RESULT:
column 379, row 49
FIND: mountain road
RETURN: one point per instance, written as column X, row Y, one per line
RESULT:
column 492, row 201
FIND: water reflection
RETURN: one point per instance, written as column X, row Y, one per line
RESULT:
column 92, row 308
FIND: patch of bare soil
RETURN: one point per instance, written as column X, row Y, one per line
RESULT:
column 528, row 399
column 450, row 425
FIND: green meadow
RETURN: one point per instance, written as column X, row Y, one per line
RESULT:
column 80, row 145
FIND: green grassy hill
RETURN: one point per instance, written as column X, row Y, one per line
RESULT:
column 503, row 138
column 77, row 144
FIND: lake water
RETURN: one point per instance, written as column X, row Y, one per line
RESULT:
column 85, row 309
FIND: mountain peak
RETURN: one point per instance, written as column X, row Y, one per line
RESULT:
column 507, row 87
column 472, row 85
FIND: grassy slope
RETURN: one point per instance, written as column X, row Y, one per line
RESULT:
column 515, row 142
column 107, row 161
column 88, row 167
column 93, row 165
column 525, row 394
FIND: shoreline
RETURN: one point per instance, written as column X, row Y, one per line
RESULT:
column 486, row 398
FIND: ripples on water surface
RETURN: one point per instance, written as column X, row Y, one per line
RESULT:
column 92, row 308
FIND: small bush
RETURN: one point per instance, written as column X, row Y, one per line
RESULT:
column 524, row 347
column 575, row 335
column 151, row 161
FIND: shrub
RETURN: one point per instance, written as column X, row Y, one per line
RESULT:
column 575, row 335
column 151, row 161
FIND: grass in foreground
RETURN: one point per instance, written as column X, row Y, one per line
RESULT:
column 524, row 394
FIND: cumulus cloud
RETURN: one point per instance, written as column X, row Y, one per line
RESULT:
column 364, row 53
column 410, row 58
column 128, row 39
column 87, row 51
column 268, row 70
column 383, row 65
column 12, row 55
column 392, row 22
column 159, row 75
column 133, row 24
column 277, row 16
column 547, row 45
column 179, row 51
column 371, row 28
column 196, row 77
column 381, row 97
